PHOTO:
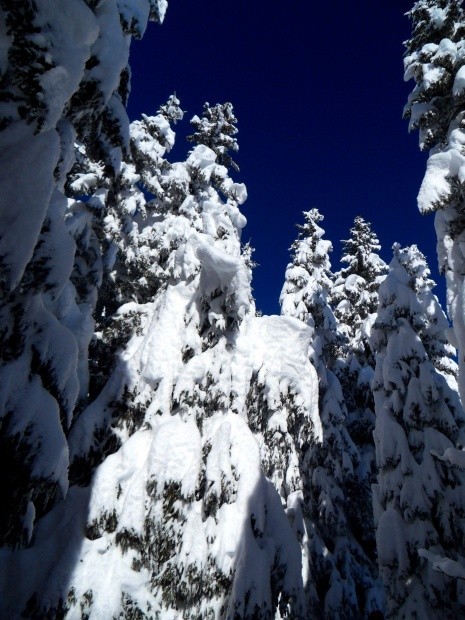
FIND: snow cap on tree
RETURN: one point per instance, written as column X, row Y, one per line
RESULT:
column 171, row 110
column 434, row 60
column 216, row 129
column 355, row 291
column 361, row 252
column 307, row 282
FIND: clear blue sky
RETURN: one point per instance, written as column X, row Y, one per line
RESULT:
column 318, row 91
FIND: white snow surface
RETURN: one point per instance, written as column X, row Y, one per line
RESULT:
column 170, row 449
column 441, row 167
column 20, row 152
column 449, row 567
column 71, row 30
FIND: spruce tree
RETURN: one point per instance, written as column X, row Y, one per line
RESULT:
column 355, row 290
column 133, row 259
column 355, row 302
column 436, row 107
column 216, row 129
column 341, row 571
column 419, row 498
column 308, row 284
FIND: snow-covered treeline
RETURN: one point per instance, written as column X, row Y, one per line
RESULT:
column 167, row 451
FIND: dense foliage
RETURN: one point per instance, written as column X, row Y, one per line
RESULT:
column 167, row 452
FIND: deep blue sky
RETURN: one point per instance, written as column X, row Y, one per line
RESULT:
column 318, row 91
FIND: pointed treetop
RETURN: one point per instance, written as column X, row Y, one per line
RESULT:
column 310, row 226
column 309, row 247
column 152, row 137
column 308, row 283
column 407, row 292
column 360, row 251
column 432, row 21
column 171, row 110
column 414, row 263
column 216, row 129
column 355, row 291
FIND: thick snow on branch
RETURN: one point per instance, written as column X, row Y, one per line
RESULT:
column 181, row 511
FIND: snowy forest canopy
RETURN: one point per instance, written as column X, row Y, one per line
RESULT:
column 168, row 452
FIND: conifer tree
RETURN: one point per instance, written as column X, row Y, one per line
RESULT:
column 216, row 129
column 355, row 291
column 341, row 571
column 308, row 284
column 355, row 301
column 179, row 517
column 419, row 498
column 124, row 223
column 436, row 107
column 59, row 82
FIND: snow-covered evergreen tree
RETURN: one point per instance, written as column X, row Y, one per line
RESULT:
column 216, row 129
column 179, row 519
column 420, row 496
column 355, row 301
column 435, row 60
column 122, row 216
column 341, row 571
column 59, row 82
column 131, row 253
column 355, row 291
column 308, row 284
